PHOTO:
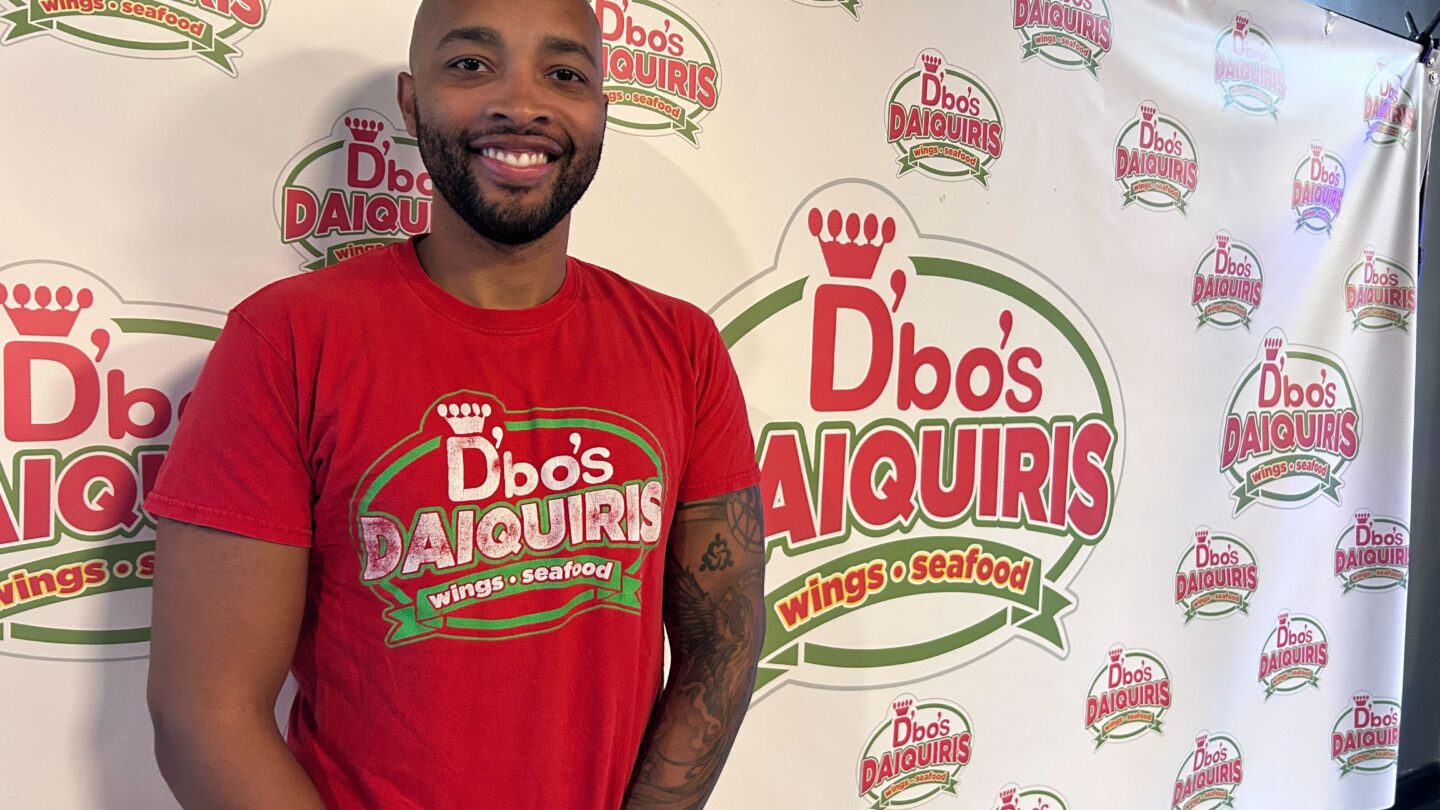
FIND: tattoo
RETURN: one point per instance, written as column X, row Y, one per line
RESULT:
column 717, row 556
column 714, row 615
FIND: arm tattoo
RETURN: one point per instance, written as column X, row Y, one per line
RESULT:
column 714, row 615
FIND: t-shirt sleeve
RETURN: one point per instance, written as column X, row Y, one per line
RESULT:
column 237, row 462
column 722, row 451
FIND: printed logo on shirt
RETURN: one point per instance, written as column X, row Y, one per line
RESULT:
column 1291, row 428
column 145, row 29
column 1373, row 554
column 943, row 121
column 1155, row 161
column 1380, row 293
column 488, row 523
column 1210, row 776
column 359, row 188
column 1070, row 34
column 1318, row 190
column 1390, row 110
column 1248, row 70
column 1227, row 284
column 1294, row 654
column 93, row 385
column 1128, row 697
column 662, row 75
column 1366, row 735
column 916, row 753
column 909, row 466
column 1034, row 797
column 1216, row 576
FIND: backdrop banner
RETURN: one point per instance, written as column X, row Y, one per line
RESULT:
column 1078, row 338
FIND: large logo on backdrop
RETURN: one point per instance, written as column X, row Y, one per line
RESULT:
column 1293, row 655
column 1155, row 161
column 1210, row 776
column 916, row 753
column 93, row 385
column 1071, row 34
column 549, row 513
column 943, row 121
column 944, row 433
column 1216, row 576
column 1390, row 110
column 1318, row 189
column 1291, row 428
column 1366, row 735
column 662, row 75
column 1380, row 293
column 1227, row 284
column 1373, row 554
column 1033, row 797
column 1248, row 70
column 1128, row 697
column 145, row 29
column 360, row 187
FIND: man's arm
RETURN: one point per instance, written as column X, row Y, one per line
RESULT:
column 714, row 615
column 227, row 613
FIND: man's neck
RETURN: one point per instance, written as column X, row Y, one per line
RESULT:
column 486, row 274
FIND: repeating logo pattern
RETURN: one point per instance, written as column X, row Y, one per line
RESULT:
column 1156, row 162
column 1216, row 576
column 148, row 29
column 1380, row 293
column 1373, row 554
column 1227, row 285
column 1248, row 69
column 1294, row 654
column 1128, row 697
column 662, row 74
column 944, row 121
column 1070, row 34
column 916, row 753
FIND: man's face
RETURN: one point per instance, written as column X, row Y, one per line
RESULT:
column 505, row 100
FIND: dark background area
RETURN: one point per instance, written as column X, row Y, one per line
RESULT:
column 1420, row 732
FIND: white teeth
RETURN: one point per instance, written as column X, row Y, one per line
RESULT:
column 516, row 159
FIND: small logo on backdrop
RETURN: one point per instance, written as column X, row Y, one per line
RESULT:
column 1210, row 776
column 359, row 188
column 1390, row 110
column 1034, row 797
column 662, row 75
column 1366, row 735
column 1380, row 293
column 1155, row 161
column 943, row 121
column 1291, row 428
column 1071, row 34
column 1227, row 284
column 1248, row 70
column 1318, row 190
column 1128, row 697
column 1216, row 576
column 916, row 753
column 93, row 385
column 1373, row 554
column 144, row 29
column 1294, row 655
column 851, row 7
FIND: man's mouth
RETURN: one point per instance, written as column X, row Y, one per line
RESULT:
column 519, row 160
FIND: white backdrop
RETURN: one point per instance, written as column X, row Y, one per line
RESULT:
column 1086, row 443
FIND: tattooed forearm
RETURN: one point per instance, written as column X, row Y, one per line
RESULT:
column 713, row 605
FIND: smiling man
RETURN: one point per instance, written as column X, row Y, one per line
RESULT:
column 458, row 485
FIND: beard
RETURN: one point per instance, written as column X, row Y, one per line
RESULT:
column 499, row 217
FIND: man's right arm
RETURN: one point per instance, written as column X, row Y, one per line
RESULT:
column 227, row 612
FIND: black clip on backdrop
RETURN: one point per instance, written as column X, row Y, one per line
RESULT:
column 1426, row 38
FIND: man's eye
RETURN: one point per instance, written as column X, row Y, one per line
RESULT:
column 568, row 75
column 468, row 63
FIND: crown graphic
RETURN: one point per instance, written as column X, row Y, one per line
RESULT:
column 902, row 706
column 1007, row 797
column 1283, row 619
column 1148, row 111
column 53, row 314
column 1361, row 700
column 852, row 258
column 932, row 61
column 1380, row 65
column 1222, row 239
column 1242, row 23
column 1362, row 517
column 1272, row 348
column 465, row 418
column 1316, row 149
column 1369, row 253
column 364, row 130
column 1117, row 653
column 1202, row 537
column 1200, row 740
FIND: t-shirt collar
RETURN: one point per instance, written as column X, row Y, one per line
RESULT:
column 498, row 321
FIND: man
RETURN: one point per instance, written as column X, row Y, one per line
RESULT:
column 448, row 484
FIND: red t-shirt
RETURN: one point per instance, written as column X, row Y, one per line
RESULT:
column 486, row 495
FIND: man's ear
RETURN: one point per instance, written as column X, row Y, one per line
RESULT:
column 405, row 98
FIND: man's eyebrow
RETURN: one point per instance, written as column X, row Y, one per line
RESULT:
column 558, row 45
column 473, row 33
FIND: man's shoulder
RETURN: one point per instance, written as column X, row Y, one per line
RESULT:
column 608, row 284
column 341, row 286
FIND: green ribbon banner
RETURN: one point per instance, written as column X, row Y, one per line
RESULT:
column 909, row 160
column 1241, row 602
column 1397, row 578
column 44, row 585
column 1174, row 194
column 1353, row 763
column 948, row 785
column 851, row 7
column 1155, row 724
column 1250, row 491
column 682, row 123
column 33, row 19
column 352, row 248
column 421, row 617
column 1031, row 48
column 1313, row 679
column 1236, row 94
column 1212, row 312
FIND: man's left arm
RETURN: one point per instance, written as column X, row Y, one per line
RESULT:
column 714, row 617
